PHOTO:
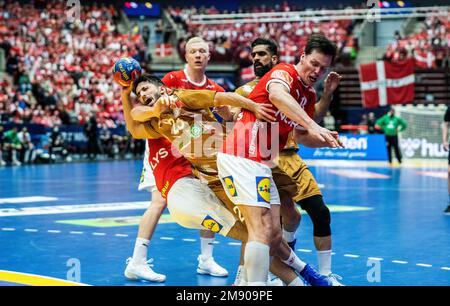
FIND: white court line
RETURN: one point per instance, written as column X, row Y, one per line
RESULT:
column 424, row 265
column 400, row 262
column 351, row 255
column 234, row 243
column 229, row 243
column 27, row 200
column 69, row 209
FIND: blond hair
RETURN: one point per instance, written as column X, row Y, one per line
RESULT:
column 196, row 40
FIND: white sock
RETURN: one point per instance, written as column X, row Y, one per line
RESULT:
column 206, row 247
column 140, row 250
column 14, row 156
column 324, row 259
column 296, row 282
column 294, row 262
column 288, row 236
column 256, row 260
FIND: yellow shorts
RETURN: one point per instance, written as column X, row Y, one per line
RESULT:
column 297, row 181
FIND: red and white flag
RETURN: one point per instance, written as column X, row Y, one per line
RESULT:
column 384, row 83
column 163, row 50
column 425, row 59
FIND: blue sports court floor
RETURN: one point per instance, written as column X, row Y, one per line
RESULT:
column 79, row 221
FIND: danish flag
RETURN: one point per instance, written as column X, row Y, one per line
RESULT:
column 384, row 83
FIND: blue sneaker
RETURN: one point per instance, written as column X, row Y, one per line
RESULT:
column 312, row 277
column 292, row 244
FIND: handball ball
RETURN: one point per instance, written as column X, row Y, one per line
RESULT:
column 126, row 70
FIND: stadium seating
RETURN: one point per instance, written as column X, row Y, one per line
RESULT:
column 229, row 41
column 430, row 45
column 58, row 71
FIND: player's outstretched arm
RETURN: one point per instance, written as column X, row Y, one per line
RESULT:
column 137, row 129
column 204, row 99
column 279, row 95
column 261, row 111
column 306, row 139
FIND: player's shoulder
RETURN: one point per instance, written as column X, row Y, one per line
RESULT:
column 247, row 88
column 212, row 85
column 284, row 67
column 178, row 75
column 282, row 72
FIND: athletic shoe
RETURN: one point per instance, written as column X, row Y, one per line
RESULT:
column 2, row 162
column 273, row 280
column 292, row 244
column 334, row 278
column 312, row 277
column 447, row 210
column 142, row 271
column 239, row 276
column 210, row 267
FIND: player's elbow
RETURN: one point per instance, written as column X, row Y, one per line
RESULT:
column 136, row 132
column 136, row 115
column 220, row 99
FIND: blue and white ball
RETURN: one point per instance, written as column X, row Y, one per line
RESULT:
column 126, row 70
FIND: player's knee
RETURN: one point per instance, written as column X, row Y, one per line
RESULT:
column 319, row 214
column 263, row 230
column 159, row 204
column 293, row 218
column 322, row 226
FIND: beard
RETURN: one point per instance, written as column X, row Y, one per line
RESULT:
column 155, row 98
column 260, row 71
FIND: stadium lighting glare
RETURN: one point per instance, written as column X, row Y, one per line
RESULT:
column 148, row 5
column 400, row 3
column 380, row 4
column 133, row 5
column 127, row 5
column 386, row 4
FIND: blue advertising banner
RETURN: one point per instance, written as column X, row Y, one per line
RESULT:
column 357, row 147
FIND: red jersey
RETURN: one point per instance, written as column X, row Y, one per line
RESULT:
column 179, row 79
column 167, row 168
column 246, row 139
